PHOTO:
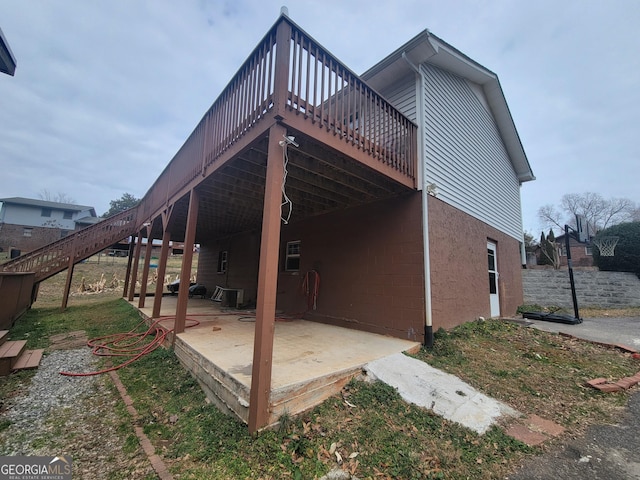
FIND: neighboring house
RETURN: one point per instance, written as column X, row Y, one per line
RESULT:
column 7, row 60
column 27, row 224
column 581, row 255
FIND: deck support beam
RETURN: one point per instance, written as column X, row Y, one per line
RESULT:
column 145, row 270
column 187, row 260
column 267, row 285
column 162, row 269
column 127, row 276
column 134, row 270
column 67, row 286
column 70, row 265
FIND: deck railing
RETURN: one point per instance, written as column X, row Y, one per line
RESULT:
column 288, row 71
column 55, row 257
column 328, row 94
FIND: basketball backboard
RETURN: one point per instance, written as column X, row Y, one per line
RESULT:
column 582, row 229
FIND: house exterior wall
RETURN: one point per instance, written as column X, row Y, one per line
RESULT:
column 14, row 236
column 369, row 260
column 579, row 255
column 29, row 215
column 402, row 95
column 14, row 218
column 243, row 256
column 464, row 154
column 459, row 276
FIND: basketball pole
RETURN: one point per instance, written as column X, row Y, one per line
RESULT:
column 570, row 265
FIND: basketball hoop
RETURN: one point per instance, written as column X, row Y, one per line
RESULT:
column 606, row 245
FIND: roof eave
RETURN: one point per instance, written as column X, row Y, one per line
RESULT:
column 7, row 60
column 428, row 48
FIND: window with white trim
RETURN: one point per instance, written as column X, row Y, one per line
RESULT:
column 223, row 255
column 27, row 232
column 292, row 257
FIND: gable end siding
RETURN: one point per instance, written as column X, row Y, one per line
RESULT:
column 402, row 95
column 464, row 154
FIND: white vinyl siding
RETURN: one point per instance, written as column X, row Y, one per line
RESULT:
column 402, row 96
column 464, row 154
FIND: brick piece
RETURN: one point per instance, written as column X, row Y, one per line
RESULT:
column 627, row 382
column 542, row 425
column 625, row 348
column 636, row 356
column 608, row 387
column 525, row 435
column 596, row 381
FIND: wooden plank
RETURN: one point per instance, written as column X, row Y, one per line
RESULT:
column 8, row 355
column 29, row 359
column 12, row 349
column 3, row 336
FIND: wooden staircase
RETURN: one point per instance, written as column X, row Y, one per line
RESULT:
column 13, row 355
column 75, row 247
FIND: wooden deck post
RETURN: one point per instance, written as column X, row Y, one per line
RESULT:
column 134, row 270
column 267, row 285
column 145, row 269
column 67, row 286
column 162, row 269
column 70, row 265
column 127, row 275
column 187, row 259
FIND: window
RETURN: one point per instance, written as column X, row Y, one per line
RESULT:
column 587, row 250
column 67, row 215
column 46, row 212
column 64, row 233
column 292, row 257
column 27, row 232
column 563, row 249
column 222, row 261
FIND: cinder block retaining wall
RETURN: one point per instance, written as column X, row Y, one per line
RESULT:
column 593, row 288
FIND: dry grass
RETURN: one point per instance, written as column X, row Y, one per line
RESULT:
column 111, row 270
column 535, row 372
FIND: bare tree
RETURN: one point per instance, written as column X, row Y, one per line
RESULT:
column 59, row 197
column 599, row 212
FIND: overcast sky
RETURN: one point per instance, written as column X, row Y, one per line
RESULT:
column 105, row 92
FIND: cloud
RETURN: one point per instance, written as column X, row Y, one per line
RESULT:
column 105, row 93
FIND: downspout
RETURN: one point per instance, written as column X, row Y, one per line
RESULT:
column 428, row 319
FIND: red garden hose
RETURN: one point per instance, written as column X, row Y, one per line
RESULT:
column 131, row 344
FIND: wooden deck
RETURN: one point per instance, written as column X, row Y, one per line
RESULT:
column 311, row 361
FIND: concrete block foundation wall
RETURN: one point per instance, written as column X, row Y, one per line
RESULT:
column 459, row 276
column 369, row 260
column 593, row 288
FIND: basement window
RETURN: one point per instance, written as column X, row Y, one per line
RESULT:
column 27, row 232
column 292, row 257
column 222, row 261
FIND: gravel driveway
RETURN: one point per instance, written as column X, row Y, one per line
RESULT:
column 73, row 416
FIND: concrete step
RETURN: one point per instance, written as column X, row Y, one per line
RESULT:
column 29, row 359
column 9, row 353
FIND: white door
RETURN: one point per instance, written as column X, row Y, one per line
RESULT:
column 494, row 299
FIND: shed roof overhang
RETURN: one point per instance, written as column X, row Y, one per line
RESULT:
column 428, row 48
column 7, row 60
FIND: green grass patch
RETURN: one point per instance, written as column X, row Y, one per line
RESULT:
column 368, row 429
column 97, row 319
